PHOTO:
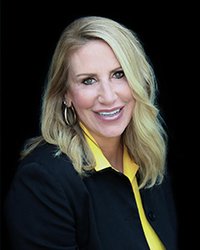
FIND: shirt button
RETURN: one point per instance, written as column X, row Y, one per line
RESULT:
column 151, row 216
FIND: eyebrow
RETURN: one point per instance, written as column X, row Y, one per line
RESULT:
column 92, row 74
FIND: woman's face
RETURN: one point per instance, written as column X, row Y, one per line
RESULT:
column 99, row 90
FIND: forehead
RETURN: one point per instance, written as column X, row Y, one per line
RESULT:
column 95, row 53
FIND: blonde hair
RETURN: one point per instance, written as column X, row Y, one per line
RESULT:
column 144, row 137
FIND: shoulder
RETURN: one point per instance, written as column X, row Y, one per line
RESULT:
column 46, row 155
column 163, row 189
column 44, row 163
column 46, row 197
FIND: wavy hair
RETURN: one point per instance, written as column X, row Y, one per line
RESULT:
column 145, row 136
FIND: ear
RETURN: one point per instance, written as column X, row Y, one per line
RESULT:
column 67, row 100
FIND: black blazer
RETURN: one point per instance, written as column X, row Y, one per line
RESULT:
column 49, row 206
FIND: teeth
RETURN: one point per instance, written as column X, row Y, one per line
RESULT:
column 110, row 113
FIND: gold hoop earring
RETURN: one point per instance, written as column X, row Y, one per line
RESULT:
column 70, row 115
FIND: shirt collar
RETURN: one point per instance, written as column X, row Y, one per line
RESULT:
column 129, row 166
column 101, row 161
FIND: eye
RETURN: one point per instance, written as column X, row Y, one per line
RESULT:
column 119, row 74
column 88, row 81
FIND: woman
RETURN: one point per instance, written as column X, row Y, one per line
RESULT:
column 96, row 177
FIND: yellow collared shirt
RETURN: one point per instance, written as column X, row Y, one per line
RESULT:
column 130, row 170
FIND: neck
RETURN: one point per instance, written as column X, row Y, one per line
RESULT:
column 111, row 147
column 113, row 150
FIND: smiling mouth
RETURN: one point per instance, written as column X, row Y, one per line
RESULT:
column 109, row 114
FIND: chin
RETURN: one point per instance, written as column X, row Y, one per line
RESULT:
column 112, row 134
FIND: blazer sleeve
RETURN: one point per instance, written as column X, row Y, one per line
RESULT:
column 39, row 213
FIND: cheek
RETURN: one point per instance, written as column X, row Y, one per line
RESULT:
column 127, row 95
column 129, row 99
column 132, row 104
column 82, row 101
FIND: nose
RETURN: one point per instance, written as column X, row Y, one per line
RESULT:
column 107, row 93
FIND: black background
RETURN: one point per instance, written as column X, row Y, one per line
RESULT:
column 168, row 32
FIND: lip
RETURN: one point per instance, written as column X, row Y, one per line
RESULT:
column 109, row 110
column 109, row 114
